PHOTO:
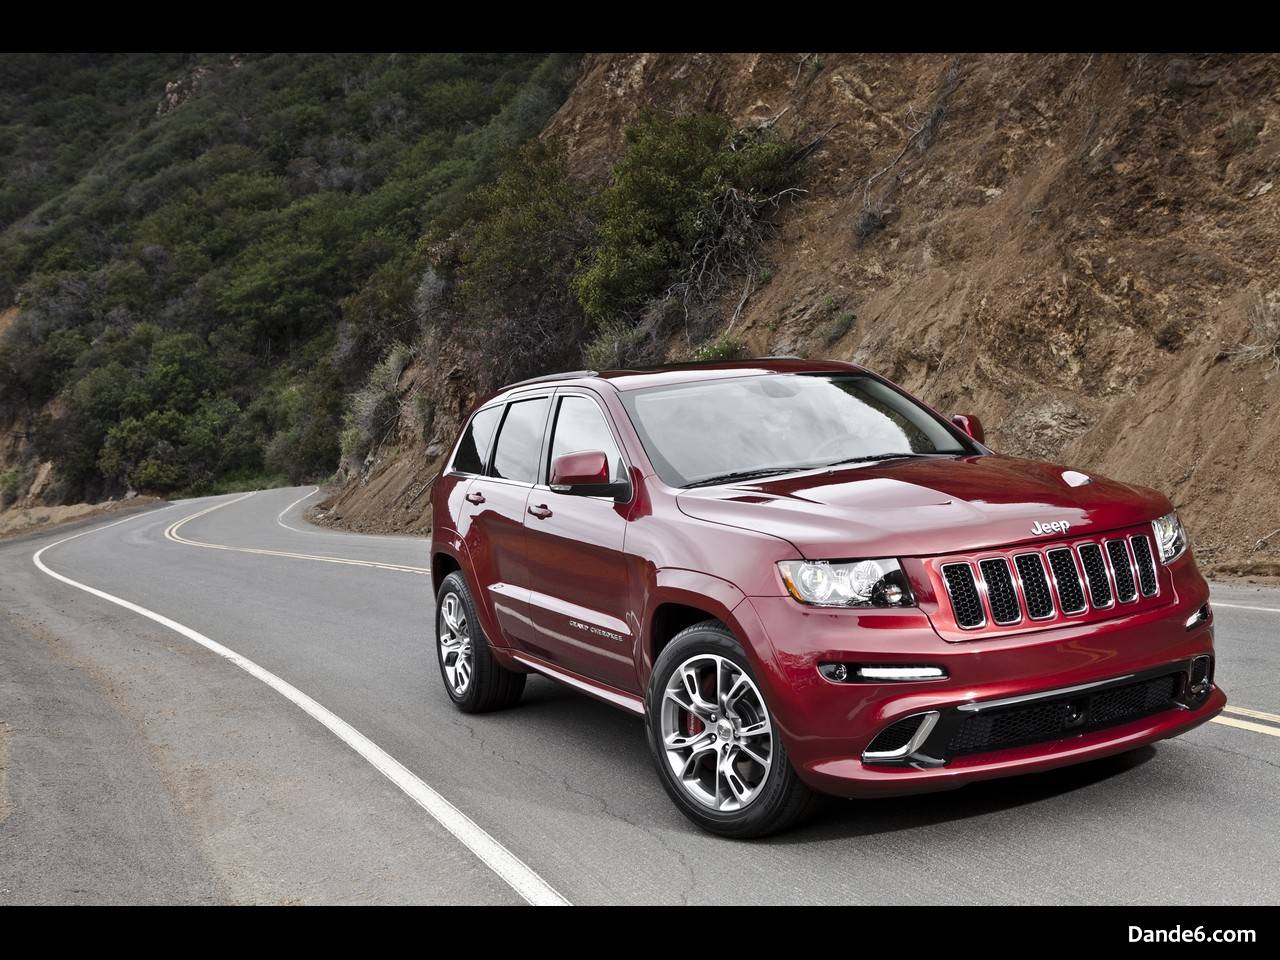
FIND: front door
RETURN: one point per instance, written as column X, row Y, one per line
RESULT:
column 578, row 583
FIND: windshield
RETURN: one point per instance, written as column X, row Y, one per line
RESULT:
column 721, row 430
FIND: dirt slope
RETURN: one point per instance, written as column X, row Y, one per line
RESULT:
column 1066, row 245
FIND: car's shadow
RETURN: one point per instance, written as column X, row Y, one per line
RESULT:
column 556, row 706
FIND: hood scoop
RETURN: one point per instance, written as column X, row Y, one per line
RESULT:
column 1074, row 478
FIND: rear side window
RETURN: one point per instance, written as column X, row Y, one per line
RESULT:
column 580, row 426
column 520, row 441
column 473, row 451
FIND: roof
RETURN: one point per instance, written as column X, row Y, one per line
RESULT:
column 685, row 372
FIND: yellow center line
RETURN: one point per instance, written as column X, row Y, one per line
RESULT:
column 1257, row 714
column 171, row 533
column 1247, row 725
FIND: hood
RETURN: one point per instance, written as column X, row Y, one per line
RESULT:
column 920, row 508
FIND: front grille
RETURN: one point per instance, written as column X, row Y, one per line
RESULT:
column 1049, row 583
column 964, row 595
column 1000, row 592
column 1045, row 720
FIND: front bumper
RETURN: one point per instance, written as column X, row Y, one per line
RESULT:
column 827, row 726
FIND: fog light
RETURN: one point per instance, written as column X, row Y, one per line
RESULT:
column 874, row 673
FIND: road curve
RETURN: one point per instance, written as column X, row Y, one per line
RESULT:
column 138, row 764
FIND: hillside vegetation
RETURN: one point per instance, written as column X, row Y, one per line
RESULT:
column 198, row 248
column 1080, row 249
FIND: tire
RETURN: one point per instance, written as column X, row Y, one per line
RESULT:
column 759, row 771
column 487, row 686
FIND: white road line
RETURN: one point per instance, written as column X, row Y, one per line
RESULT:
column 171, row 533
column 1241, row 606
column 513, row 871
column 280, row 515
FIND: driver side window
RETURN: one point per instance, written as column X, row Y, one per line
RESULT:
column 580, row 426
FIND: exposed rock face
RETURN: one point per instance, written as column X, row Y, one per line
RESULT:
column 1066, row 245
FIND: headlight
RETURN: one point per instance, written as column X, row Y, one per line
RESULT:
column 1171, row 539
column 860, row 583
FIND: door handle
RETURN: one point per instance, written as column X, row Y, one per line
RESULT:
column 540, row 511
column 475, row 498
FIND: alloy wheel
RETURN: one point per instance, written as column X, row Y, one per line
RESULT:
column 716, row 732
column 454, row 635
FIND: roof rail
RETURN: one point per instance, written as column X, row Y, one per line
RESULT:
column 566, row 375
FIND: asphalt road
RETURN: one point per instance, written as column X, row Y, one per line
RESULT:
column 138, row 765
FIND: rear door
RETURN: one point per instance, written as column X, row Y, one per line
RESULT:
column 577, row 568
column 496, row 504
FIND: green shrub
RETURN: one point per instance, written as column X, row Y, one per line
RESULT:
column 9, row 487
column 682, row 184
column 722, row 348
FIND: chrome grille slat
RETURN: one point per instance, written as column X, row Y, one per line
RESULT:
column 1033, row 581
column 1001, row 596
column 1147, row 580
column 962, row 588
column 1066, row 576
column 1095, row 572
column 1122, row 570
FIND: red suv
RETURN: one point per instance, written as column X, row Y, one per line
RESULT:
column 805, row 580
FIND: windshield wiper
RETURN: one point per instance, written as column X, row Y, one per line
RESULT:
column 744, row 475
column 886, row 456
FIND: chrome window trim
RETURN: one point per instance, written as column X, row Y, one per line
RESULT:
column 1049, row 583
column 978, row 587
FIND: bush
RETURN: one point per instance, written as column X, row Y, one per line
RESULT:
column 722, row 348
column 516, row 263
column 374, row 409
column 686, row 187
column 9, row 486
column 1263, row 316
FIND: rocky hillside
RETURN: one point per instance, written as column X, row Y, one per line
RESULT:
column 1081, row 249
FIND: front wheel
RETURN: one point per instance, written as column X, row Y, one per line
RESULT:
column 712, row 737
column 474, row 680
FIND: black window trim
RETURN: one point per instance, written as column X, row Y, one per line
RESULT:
column 451, row 469
column 507, row 404
column 544, row 481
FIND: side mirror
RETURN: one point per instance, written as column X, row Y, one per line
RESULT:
column 586, row 474
column 970, row 425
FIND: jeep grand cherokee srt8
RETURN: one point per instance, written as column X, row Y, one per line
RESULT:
column 806, row 580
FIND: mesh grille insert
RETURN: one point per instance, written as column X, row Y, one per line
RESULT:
column 964, row 595
column 895, row 736
column 1065, row 716
column 1146, row 565
column 1000, row 593
column 1096, row 572
column 1035, row 586
column 1068, row 578
column 1126, row 587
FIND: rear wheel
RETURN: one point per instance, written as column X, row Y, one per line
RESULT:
column 473, row 679
column 713, row 740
